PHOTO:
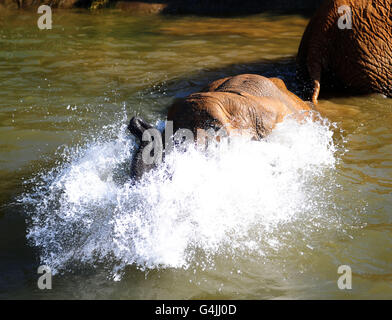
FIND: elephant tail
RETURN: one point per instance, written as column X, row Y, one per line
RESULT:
column 316, row 91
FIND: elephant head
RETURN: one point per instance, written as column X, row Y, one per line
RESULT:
column 246, row 104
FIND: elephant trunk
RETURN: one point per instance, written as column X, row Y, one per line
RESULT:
column 141, row 161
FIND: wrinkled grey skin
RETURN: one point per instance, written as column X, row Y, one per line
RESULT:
column 357, row 60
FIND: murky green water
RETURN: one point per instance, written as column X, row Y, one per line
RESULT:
column 76, row 84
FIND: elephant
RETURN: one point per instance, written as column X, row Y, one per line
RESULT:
column 347, row 45
column 246, row 104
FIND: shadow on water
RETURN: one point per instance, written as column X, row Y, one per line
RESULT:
column 217, row 8
column 283, row 68
column 236, row 7
column 19, row 260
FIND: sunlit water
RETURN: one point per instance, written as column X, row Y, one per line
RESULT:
column 244, row 220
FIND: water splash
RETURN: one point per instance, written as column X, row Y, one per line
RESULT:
column 236, row 198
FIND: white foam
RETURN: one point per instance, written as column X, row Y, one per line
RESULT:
column 233, row 199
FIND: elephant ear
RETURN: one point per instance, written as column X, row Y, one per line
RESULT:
column 279, row 83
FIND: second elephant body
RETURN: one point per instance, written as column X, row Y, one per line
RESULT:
column 348, row 45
